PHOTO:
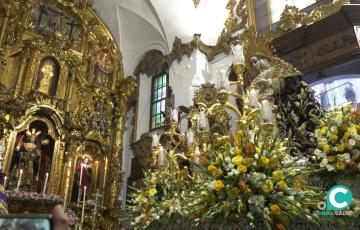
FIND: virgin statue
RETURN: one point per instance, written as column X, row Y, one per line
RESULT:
column 82, row 179
column 45, row 83
column 284, row 99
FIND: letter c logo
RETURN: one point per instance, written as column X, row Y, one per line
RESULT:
column 339, row 197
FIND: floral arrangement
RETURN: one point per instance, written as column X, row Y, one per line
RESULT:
column 72, row 217
column 338, row 139
column 32, row 196
column 160, row 202
column 255, row 181
column 249, row 178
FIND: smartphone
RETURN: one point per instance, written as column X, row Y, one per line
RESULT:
column 26, row 221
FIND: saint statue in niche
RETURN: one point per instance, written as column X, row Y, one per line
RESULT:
column 82, row 178
column 103, row 70
column 47, row 77
column 32, row 154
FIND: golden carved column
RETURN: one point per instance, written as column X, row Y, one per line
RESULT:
column 25, row 56
column 124, row 91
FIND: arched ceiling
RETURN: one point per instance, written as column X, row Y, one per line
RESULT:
column 139, row 26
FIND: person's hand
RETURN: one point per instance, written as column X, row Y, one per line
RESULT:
column 60, row 219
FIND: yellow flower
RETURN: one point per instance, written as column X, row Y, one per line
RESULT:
column 352, row 130
column 334, row 137
column 297, row 184
column 211, row 197
column 242, row 168
column 212, row 169
column 268, row 186
column 275, row 209
column 340, row 148
column 323, row 131
column 282, row 184
column 257, row 149
column 331, row 159
column 237, row 160
column 248, row 161
column 239, row 135
column 264, row 161
column 278, row 174
column 237, row 151
column 347, row 108
column 142, row 199
column 340, row 165
column 152, row 191
column 274, row 161
column 326, row 148
column 233, row 192
column 218, row 185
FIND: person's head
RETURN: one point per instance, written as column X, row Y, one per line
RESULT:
column 259, row 63
column 86, row 160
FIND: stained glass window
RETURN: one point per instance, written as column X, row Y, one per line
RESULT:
column 158, row 97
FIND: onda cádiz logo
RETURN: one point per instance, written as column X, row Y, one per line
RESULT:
column 337, row 203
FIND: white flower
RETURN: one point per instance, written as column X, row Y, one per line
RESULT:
column 137, row 219
column 227, row 159
column 344, row 157
column 330, row 167
column 323, row 163
column 322, row 141
column 319, row 153
column 333, row 129
column 352, row 142
column 235, row 171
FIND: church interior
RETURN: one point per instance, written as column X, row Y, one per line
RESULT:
column 191, row 114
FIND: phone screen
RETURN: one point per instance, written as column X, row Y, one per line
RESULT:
column 28, row 223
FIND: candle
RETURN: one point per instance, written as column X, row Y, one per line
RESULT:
column 83, row 206
column 197, row 155
column 190, row 137
column 19, row 180
column 238, row 54
column 174, row 115
column 266, row 110
column 105, row 170
column 161, row 156
column 46, row 180
column 253, row 98
column 155, row 139
column 81, row 173
column 203, row 122
column 5, row 180
column 224, row 81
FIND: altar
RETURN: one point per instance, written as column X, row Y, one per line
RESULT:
column 63, row 105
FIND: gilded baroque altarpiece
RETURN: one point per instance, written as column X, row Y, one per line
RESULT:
column 62, row 89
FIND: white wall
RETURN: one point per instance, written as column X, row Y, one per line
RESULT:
column 144, row 102
column 127, row 154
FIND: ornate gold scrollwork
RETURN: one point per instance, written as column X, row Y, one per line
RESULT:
column 292, row 17
column 237, row 19
column 59, row 65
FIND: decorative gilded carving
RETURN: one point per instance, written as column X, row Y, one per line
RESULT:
column 60, row 65
column 237, row 19
column 292, row 17
column 142, row 150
